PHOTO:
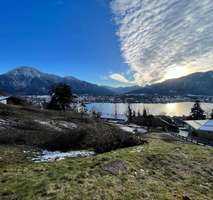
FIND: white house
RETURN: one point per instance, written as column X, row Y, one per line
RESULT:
column 201, row 128
column 3, row 99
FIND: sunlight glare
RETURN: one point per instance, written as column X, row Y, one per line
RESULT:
column 176, row 72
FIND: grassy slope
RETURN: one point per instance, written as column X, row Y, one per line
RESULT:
column 158, row 170
column 43, row 128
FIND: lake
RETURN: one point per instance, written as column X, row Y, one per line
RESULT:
column 171, row 109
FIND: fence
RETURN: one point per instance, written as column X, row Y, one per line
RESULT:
column 194, row 140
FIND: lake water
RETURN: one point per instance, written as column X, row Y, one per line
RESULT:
column 171, row 109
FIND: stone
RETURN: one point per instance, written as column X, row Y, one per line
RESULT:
column 186, row 197
column 115, row 167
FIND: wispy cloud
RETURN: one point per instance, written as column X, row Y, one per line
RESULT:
column 119, row 78
column 160, row 38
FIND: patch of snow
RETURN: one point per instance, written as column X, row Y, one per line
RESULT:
column 127, row 128
column 141, row 130
column 183, row 133
column 3, row 124
column 132, row 128
column 49, row 124
column 2, row 121
column 134, row 125
column 48, row 156
column 58, row 125
column 68, row 125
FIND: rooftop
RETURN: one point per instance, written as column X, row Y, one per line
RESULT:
column 204, row 125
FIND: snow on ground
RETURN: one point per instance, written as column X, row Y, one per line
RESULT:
column 183, row 133
column 48, row 156
column 65, row 124
column 2, row 121
column 126, row 128
column 49, row 124
column 132, row 128
column 58, row 125
column 4, row 124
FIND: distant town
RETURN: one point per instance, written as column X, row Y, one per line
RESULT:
column 39, row 99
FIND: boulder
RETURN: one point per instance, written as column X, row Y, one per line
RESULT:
column 115, row 167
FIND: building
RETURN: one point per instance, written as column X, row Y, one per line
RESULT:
column 200, row 128
column 3, row 99
column 12, row 100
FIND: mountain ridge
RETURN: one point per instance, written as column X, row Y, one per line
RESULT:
column 28, row 81
column 199, row 83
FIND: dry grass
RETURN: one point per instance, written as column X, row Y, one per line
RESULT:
column 60, row 130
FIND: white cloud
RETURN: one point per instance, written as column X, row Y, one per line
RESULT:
column 119, row 78
column 161, row 37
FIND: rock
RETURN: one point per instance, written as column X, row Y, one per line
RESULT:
column 115, row 167
column 186, row 197
column 68, row 125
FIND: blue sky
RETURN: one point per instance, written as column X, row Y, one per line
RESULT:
column 110, row 42
column 65, row 37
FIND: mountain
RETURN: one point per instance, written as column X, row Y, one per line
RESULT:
column 123, row 90
column 200, row 83
column 30, row 81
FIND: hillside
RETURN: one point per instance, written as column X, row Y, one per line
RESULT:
column 196, row 84
column 156, row 166
column 30, row 81
column 161, row 170
column 55, row 130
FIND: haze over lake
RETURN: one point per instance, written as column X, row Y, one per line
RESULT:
column 171, row 109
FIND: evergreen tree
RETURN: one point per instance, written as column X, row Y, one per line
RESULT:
column 134, row 114
column 61, row 97
column 144, row 113
column 96, row 115
column 212, row 114
column 146, row 118
column 139, row 114
column 149, row 122
column 129, row 113
column 197, row 113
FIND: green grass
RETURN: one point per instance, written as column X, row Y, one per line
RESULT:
column 158, row 170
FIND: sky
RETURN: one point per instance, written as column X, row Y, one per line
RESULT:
column 108, row 42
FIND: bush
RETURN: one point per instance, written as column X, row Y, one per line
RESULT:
column 21, row 126
column 101, row 138
column 119, row 140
